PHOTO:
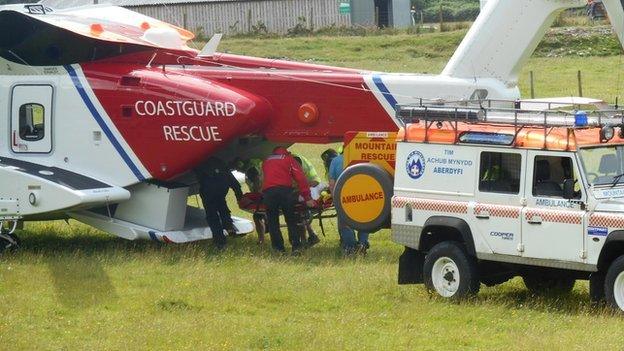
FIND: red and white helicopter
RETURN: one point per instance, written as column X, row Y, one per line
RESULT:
column 105, row 112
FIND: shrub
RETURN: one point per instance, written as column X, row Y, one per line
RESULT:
column 300, row 29
column 452, row 11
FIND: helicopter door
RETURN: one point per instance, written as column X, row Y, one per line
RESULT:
column 31, row 119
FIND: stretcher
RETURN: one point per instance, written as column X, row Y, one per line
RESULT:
column 323, row 209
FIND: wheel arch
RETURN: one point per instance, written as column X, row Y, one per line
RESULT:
column 611, row 250
column 444, row 228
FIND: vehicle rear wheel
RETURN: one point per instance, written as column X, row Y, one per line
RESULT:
column 450, row 272
column 614, row 284
column 548, row 283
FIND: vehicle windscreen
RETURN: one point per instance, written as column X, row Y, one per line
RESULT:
column 603, row 165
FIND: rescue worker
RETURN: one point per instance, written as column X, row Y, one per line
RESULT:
column 494, row 173
column 593, row 10
column 244, row 166
column 253, row 179
column 215, row 180
column 252, row 168
column 314, row 182
column 327, row 156
column 348, row 242
column 279, row 171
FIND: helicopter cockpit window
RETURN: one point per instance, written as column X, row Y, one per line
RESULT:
column 32, row 122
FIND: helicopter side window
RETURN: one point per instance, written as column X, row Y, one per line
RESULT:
column 32, row 122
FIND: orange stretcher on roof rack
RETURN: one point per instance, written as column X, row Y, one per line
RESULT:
column 510, row 123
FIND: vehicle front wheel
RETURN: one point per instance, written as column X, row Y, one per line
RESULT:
column 614, row 284
column 450, row 271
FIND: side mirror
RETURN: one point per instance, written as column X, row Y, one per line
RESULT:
column 568, row 189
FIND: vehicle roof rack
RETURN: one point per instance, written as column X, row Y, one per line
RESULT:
column 509, row 112
column 513, row 113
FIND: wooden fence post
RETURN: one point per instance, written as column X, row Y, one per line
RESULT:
column 441, row 15
column 532, row 85
column 580, row 83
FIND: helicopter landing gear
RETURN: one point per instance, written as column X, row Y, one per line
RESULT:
column 8, row 239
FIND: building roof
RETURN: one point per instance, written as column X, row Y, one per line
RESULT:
column 61, row 4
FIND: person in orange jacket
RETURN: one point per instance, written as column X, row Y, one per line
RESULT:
column 279, row 170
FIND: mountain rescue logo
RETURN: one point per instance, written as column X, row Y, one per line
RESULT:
column 415, row 165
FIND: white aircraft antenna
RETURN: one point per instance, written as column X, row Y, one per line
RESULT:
column 24, row 62
column 149, row 64
column 211, row 47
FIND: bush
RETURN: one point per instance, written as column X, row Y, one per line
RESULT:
column 259, row 29
column 348, row 31
column 452, row 11
column 300, row 29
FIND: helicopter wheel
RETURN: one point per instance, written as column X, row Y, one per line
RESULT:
column 8, row 241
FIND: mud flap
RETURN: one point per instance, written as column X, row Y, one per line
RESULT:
column 411, row 267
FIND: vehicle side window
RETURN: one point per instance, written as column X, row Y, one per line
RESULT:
column 31, row 122
column 549, row 172
column 500, row 172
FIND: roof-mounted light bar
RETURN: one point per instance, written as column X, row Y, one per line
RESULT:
column 413, row 114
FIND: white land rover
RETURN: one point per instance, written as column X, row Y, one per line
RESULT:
column 483, row 195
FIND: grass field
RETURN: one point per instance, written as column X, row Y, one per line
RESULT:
column 73, row 288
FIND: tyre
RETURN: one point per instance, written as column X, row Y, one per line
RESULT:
column 548, row 283
column 614, row 284
column 450, row 271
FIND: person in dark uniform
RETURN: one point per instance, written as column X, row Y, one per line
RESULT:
column 215, row 181
column 280, row 170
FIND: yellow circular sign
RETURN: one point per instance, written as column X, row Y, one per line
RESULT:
column 362, row 198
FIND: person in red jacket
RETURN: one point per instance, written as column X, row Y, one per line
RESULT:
column 279, row 171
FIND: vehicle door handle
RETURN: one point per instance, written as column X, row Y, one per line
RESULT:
column 535, row 220
column 483, row 215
